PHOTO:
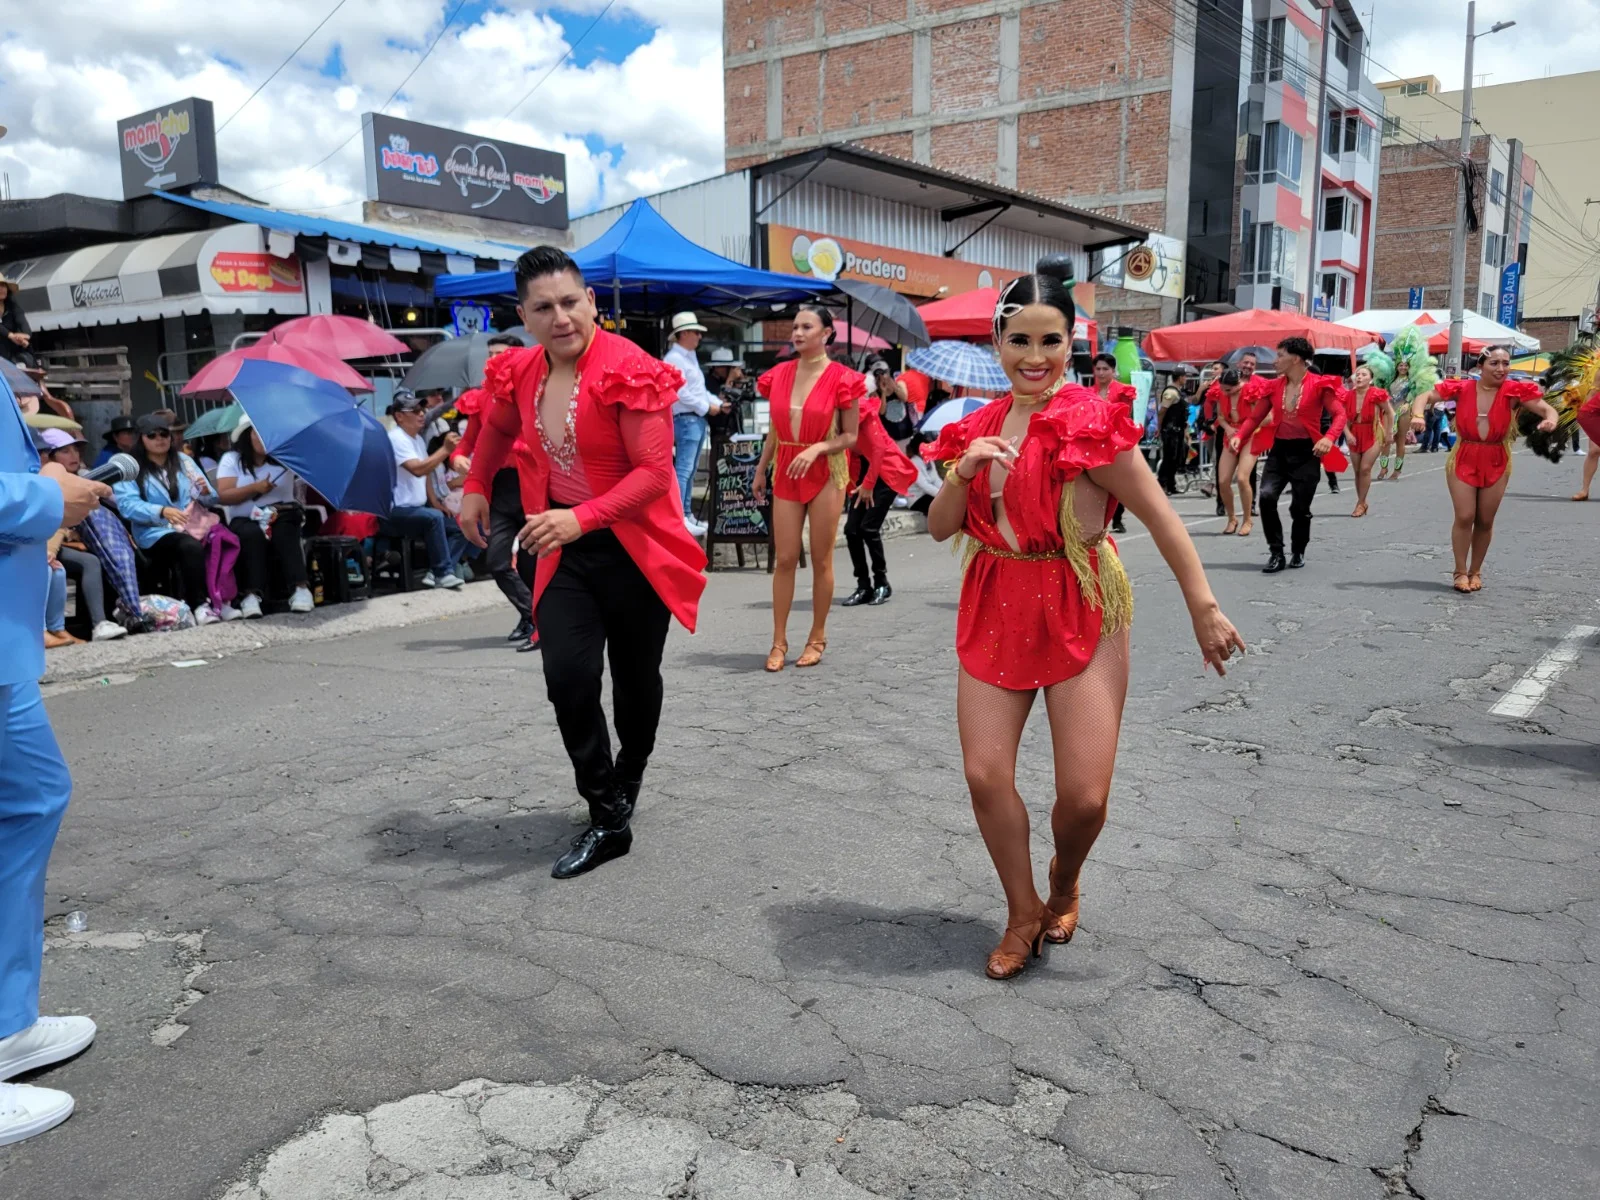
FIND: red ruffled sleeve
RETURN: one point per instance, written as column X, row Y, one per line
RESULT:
column 503, row 372
column 849, row 388
column 1521, row 391
column 501, row 422
column 1379, row 396
column 1451, row 389
column 952, row 442
column 1087, row 432
column 765, row 381
column 642, row 384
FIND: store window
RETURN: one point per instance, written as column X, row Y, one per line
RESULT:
column 1336, row 288
column 1493, row 249
column 1486, row 305
column 1279, row 52
column 1331, row 139
column 1341, row 45
column 1270, row 254
column 1364, row 140
column 1275, row 155
column 1417, row 87
column 1341, row 214
column 1391, row 128
column 1497, row 186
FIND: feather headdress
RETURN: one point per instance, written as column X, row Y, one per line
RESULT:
column 1573, row 377
column 1411, row 347
column 1381, row 366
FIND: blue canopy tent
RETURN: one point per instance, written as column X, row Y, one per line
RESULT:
column 645, row 266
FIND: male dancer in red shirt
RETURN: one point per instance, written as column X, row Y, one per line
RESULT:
column 1297, row 400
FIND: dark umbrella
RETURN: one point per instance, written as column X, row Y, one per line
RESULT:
column 22, row 384
column 1264, row 357
column 893, row 317
column 312, row 426
column 455, row 363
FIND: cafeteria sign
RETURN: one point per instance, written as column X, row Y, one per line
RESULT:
column 822, row 256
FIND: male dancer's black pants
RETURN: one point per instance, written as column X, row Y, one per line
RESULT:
column 863, row 534
column 599, row 604
column 506, row 520
column 1290, row 464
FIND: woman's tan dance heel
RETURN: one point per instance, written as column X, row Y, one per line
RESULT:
column 1475, row 582
column 1006, row 963
column 812, row 654
column 1062, row 910
column 1456, row 581
column 1232, row 526
column 777, row 655
column 1249, row 524
column 1360, row 510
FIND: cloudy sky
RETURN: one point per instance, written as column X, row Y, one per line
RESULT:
column 636, row 103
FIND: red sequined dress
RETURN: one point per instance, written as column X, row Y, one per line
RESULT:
column 1477, row 461
column 1362, row 429
column 837, row 388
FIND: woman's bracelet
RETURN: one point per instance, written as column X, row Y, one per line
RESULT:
column 952, row 475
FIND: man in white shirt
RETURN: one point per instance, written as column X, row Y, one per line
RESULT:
column 689, row 413
column 411, row 515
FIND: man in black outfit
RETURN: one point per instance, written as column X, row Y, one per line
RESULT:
column 863, row 524
column 1297, row 399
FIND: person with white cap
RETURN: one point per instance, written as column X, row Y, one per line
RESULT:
column 258, row 496
column 689, row 413
column 66, row 546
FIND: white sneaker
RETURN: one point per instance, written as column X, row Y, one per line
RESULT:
column 26, row 1110
column 230, row 613
column 428, row 580
column 204, row 616
column 249, row 608
column 301, row 601
column 107, row 631
column 698, row 528
column 450, row 582
column 48, row 1040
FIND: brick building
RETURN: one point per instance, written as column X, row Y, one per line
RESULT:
column 1149, row 112
column 1416, row 206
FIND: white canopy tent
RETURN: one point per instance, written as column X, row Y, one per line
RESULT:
column 1478, row 327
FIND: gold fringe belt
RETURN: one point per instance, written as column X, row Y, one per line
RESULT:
column 838, row 464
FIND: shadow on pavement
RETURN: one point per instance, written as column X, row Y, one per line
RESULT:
column 837, row 937
column 1389, row 585
column 1581, row 760
column 737, row 664
column 487, row 847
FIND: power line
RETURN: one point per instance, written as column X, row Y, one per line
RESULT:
column 570, row 49
column 292, row 55
column 460, row 4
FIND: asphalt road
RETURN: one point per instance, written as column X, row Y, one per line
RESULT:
column 1341, row 937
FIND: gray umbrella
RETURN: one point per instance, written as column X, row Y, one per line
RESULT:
column 892, row 317
column 455, row 363
column 22, row 384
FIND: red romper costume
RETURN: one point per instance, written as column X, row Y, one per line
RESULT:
column 1478, row 461
column 619, row 439
column 884, row 458
column 1033, row 617
column 838, row 387
column 1361, row 431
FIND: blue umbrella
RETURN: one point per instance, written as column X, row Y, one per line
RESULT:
column 22, row 384
column 312, row 426
column 961, row 364
column 948, row 412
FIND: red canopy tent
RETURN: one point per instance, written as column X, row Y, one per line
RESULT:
column 970, row 317
column 1213, row 337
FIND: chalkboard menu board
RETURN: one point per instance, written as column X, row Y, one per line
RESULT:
column 736, row 517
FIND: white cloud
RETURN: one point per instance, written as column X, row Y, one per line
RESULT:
column 76, row 67
column 1428, row 37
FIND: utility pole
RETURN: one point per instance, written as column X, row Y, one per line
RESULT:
column 1458, row 244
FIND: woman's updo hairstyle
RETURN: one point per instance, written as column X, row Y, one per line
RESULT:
column 823, row 315
column 1050, row 283
column 1230, row 378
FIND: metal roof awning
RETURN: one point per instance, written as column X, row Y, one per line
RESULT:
column 226, row 270
column 288, row 225
column 868, row 172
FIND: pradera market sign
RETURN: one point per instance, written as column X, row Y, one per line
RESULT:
column 823, row 256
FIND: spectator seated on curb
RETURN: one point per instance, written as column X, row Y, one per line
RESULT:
column 71, row 554
column 412, row 515
column 263, row 510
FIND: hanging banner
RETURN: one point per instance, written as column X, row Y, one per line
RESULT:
column 1510, row 290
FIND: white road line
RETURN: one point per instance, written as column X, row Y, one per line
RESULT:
column 1529, row 691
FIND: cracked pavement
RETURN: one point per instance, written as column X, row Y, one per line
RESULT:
column 1341, row 936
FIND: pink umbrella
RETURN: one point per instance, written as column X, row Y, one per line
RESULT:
column 857, row 339
column 339, row 337
column 211, row 382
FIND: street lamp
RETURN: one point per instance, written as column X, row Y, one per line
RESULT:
column 1458, row 243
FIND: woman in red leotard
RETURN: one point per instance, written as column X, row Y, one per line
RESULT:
column 1589, row 421
column 1479, row 467
column 1108, row 388
column 1228, row 403
column 1045, row 604
column 814, row 403
column 1368, row 431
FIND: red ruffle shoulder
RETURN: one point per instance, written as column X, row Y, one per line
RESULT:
column 1080, row 431
column 639, row 382
column 1521, row 391
column 954, row 438
column 504, row 372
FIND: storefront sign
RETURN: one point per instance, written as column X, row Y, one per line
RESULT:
column 1155, row 268
column 423, row 166
column 92, row 293
column 236, row 271
column 821, row 256
column 170, row 147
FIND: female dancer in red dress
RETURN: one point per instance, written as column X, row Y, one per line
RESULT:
column 1367, row 406
column 1589, row 421
column 1479, row 466
column 1229, row 408
column 814, row 403
column 1045, row 603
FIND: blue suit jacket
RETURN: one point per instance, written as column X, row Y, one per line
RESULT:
column 30, row 511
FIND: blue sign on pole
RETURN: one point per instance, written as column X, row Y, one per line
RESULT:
column 1321, row 307
column 1414, row 298
column 1510, row 286
column 468, row 317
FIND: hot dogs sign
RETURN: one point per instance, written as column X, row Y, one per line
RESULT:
column 423, row 166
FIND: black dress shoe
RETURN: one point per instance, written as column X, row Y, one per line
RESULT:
column 1297, row 560
column 860, row 596
column 1333, row 486
column 628, row 797
column 1221, row 509
column 591, row 848
column 1274, row 565
column 521, row 632
column 881, row 594
column 532, row 642
column 1118, row 527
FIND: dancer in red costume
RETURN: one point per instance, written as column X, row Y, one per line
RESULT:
column 1367, row 409
column 881, row 471
column 1109, row 389
column 1295, row 402
column 1479, row 467
column 605, row 518
column 1252, row 388
column 1045, row 604
column 1229, row 406
column 1589, row 421
column 814, row 403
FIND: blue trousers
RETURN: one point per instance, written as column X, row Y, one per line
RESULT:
column 688, row 436
column 34, row 789
column 446, row 543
